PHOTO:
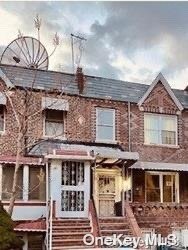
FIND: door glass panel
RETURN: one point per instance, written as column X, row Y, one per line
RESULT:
column 168, row 188
column 152, row 188
column 72, row 173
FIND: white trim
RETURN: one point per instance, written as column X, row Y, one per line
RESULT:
column 160, row 116
column 161, row 78
column 25, row 182
column 113, row 140
column 1, row 180
column 8, row 83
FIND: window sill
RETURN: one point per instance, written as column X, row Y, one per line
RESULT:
column 25, row 203
column 106, row 141
column 162, row 145
column 63, row 138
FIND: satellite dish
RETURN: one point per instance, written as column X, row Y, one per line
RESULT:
column 26, row 52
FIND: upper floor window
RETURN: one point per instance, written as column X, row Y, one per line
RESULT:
column 160, row 129
column 54, row 123
column 2, row 118
column 105, row 124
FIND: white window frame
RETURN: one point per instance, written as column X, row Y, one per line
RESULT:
column 160, row 174
column 113, row 140
column 63, row 137
column 161, row 116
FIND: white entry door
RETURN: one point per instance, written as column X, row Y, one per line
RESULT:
column 75, row 189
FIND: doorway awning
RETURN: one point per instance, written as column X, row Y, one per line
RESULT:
column 159, row 166
column 102, row 153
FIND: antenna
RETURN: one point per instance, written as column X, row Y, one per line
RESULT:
column 38, row 22
column 79, row 39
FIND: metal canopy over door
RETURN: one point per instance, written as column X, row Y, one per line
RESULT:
column 74, row 189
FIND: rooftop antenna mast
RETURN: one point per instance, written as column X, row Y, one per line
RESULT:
column 38, row 22
column 79, row 39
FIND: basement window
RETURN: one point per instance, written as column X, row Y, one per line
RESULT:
column 105, row 124
column 54, row 123
column 160, row 129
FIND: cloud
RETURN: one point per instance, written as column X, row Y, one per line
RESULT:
column 128, row 40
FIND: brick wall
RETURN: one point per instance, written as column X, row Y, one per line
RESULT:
column 81, row 123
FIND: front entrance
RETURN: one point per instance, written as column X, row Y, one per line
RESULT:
column 71, row 188
column 108, row 191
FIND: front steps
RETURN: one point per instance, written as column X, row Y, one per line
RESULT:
column 114, row 225
column 68, row 233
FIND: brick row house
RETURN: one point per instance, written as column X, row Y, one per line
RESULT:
column 107, row 156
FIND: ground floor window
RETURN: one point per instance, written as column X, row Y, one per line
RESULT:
column 31, row 184
column 7, row 181
column 37, row 184
column 161, row 187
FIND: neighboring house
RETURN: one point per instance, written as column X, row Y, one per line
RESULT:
column 120, row 149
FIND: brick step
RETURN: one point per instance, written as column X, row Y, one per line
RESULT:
column 68, row 242
column 113, row 231
column 114, row 226
column 71, row 229
column 71, row 247
column 69, row 235
column 112, row 220
column 70, row 224
column 71, row 219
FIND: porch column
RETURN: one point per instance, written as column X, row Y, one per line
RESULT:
column 25, row 183
column 1, row 181
column 25, row 239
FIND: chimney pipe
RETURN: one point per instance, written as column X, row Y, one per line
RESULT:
column 80, row 80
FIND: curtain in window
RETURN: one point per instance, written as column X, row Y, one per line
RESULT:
column 168, row 130
column 54, row 123
column 152, row 129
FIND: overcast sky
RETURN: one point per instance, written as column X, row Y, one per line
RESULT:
column 131, row 41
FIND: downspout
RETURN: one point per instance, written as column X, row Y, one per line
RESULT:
column 129, row 126
column 47, row 206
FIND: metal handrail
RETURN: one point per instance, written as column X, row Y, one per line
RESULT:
column 50, row 223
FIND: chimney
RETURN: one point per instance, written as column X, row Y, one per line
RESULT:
column 80, row 79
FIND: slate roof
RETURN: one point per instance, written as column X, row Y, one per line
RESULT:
column 96, row 87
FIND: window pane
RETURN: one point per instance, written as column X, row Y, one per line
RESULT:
column 54, row 129
column 105, row 133
column 37, row 183
column 152, row 136
column 152, row 188
column 169, row 130
column 54, row 115
column 8, row 173
column 35, row 242
column 105, row 117
column 168, row 188
column 169, row 123
column 151, row 122
column 151, row 129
